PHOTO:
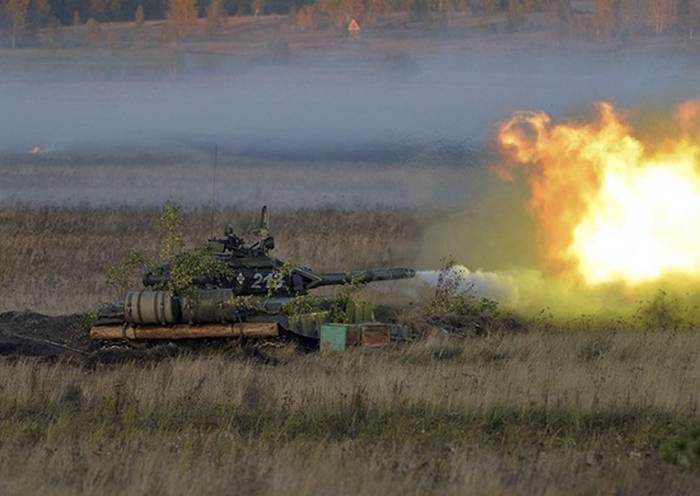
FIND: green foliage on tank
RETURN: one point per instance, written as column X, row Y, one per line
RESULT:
column 244, row 267
column 185, row 267
column 233, row 279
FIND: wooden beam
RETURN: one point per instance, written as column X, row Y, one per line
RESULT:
column 185, row 331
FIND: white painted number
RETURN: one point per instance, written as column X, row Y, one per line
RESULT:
column 261, row 281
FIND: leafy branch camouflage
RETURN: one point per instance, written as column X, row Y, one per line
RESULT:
column 302, row 304
column 187, row 265
column 183, row 265
column 121, row 276
column 279, row 276
column 170, row 230
column 349, row 295
column 245, row 302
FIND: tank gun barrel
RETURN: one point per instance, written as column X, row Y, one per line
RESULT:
column 364, row 276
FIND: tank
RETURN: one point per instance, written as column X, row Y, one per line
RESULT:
column 252, row 271
column 255, row 288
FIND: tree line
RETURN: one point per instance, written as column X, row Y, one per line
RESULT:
column 608, row 18
column 124, row 10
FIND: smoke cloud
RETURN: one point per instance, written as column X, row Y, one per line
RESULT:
column 394, row 137
column 459, row 280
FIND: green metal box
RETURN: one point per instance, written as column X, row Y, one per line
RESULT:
column 333, row 337
column 337, row 337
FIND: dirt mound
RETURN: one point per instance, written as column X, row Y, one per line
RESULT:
column 26, row 334
column 66, row 338
column 32, row 334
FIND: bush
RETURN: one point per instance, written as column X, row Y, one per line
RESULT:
column 684, row 449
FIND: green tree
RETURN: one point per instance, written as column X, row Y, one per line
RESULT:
column 17, row 14
column 139, row 17
column 182, row 16
column 172, row 239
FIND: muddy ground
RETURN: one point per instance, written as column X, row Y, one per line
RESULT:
column 66, row 338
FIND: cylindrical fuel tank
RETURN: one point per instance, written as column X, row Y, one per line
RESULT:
column 151, row 307
column 208, row 306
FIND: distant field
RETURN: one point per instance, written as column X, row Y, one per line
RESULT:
column 483, row 403
column 250, row 35
column 140, row 181
column 126, row 51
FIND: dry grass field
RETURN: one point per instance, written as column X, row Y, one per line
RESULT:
column 56, row 260
column 478, row 401
column 532, row 413
column 536, row 409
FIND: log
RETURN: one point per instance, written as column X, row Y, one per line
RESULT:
column 185, row 331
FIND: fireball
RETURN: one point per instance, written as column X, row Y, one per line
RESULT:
column 610, row 207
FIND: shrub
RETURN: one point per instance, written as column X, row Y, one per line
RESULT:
column 683, row 449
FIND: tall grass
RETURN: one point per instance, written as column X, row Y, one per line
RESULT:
column 595, row 409
column 527, row 413
column 56, row 260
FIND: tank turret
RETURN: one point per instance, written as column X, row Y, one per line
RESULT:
column 250, row 270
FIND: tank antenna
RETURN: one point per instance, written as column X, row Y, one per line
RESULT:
column 213, row 190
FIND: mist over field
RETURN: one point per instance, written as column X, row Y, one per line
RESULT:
column 340, row 129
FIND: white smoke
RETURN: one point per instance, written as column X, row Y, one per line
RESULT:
column 459, row 280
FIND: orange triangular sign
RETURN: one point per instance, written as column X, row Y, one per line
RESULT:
column 353, row 26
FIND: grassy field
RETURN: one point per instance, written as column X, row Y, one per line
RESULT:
column 56, row 260
column 534, row 409
column 485, row 403
column 528, row 413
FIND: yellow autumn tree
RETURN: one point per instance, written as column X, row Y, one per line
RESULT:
column 94, row 32
column 182, row 16
column 139, row 16
column 215, row 16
